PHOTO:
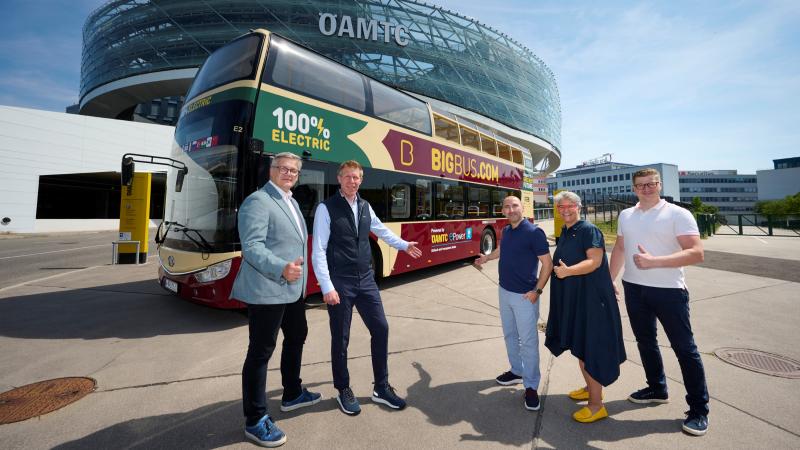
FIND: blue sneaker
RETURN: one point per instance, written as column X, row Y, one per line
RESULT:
column 648, row 395
column 696, row 424
column 265, row 433
column 306, row 399
column 384, row 393
column 348, row 403
column 508, row 378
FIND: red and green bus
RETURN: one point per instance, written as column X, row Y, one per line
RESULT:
column 430, row 176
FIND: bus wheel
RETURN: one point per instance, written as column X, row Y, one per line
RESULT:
column 487, row 241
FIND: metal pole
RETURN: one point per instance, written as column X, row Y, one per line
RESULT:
column 740, row 225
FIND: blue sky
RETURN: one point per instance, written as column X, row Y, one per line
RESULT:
column 705, row 85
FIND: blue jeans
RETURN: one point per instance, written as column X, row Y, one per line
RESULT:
column 519, row 318
column 670, row 306
column 364, row 295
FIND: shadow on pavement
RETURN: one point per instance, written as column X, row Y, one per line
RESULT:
column 500, row 415
column 133, row 310
column 211, row 426
column 497, row 416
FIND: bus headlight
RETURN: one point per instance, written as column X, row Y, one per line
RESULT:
column 214, row 272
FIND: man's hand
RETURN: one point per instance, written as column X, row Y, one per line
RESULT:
column 294, row 270
column 644, row 260
column 532, row 297
column 482, row 259
column 331, row 298
column 616, row 291
column 562, row 270
column 413, row 251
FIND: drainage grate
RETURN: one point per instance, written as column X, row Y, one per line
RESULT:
column 760, row 362
column 41, row 398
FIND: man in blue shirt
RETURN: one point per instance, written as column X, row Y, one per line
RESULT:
column 525, row 245
column 341, row 253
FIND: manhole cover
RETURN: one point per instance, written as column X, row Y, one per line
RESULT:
column 761, row 362
column 41, row 398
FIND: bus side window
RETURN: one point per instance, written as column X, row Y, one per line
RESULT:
column 449, row 200
column 373, row 190
column 396, row 107
column 400, row 201
column 422, row 199
column 297, row 69
column 309, row 191
column 478, row 206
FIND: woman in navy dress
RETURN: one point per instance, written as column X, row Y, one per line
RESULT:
column 584, row 315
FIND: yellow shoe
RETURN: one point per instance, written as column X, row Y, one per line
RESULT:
column 585, row 415
column 582, row 394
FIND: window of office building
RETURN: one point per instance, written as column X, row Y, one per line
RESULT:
column 615, row 178
column 604, row 179
column 627, row 176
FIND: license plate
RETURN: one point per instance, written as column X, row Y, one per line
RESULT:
column 171, row 285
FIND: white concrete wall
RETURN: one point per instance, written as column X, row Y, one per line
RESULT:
column 70, row 225
column 34, row 143
column 778, row 183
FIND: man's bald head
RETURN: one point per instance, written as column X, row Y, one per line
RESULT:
column 512, row 198
column 512, row 210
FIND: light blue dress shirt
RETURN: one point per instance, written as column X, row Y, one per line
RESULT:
column 322, row 232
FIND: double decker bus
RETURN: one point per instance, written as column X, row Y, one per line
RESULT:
column 430, row 176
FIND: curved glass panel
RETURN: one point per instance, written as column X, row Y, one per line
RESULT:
column 236, row 61
column 402, row 109
column 294, row 68
column 448, row 57
column 206, row 143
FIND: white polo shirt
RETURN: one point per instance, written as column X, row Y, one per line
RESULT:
column 656, row 230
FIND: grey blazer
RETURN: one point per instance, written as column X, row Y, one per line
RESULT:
column 270, row 240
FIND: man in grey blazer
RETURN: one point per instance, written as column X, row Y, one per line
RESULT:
column 272, row 282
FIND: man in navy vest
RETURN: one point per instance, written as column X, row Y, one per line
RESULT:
column 340, row 255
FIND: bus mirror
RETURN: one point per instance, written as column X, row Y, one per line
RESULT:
column 127, row 171
column 255, row 145
column 179, row 181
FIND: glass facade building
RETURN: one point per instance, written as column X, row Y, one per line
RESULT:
column 446, row 56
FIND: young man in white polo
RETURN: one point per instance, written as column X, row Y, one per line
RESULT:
column 655, row 240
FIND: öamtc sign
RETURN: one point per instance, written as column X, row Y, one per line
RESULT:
column 361, row 28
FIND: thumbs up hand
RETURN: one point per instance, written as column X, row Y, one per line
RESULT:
column 644, row 260
column 294, row 270
column 562, row 270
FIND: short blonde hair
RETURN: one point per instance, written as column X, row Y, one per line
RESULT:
column 351, row 165
column 646, row 173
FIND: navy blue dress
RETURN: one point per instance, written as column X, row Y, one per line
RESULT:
column 584, row 314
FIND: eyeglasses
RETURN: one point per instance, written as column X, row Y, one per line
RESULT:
column 285, row 170
column 569, row 207
column 652, row 184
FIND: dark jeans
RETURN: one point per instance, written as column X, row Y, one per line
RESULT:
column 265, row 320
column 671, row 307
column 364, row 295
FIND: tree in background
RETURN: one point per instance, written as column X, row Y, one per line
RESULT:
column 700, row 208
column 787, row 206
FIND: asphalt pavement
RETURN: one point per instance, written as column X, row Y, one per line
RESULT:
column 169, row 372
column 31, row 257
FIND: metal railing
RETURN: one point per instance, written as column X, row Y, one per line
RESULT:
column 758, row 224
column 542, row 213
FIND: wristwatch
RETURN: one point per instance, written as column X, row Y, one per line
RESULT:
column 538, row 291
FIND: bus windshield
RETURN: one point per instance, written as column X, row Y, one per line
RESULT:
column 235, row 61
column 206, row 143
